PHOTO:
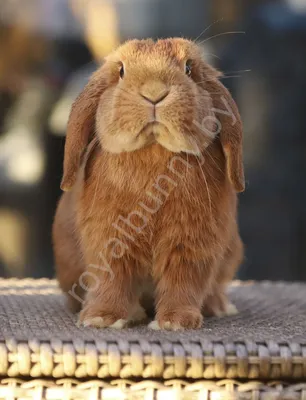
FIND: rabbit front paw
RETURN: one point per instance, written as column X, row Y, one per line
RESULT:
column 184, row 318
column 92, row 316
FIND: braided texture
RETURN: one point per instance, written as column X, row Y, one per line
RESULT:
column 266, row 340
column 70, row 389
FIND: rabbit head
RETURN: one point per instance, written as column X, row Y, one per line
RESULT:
column 155, row 92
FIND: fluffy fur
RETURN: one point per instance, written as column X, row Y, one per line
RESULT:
column 153, row 161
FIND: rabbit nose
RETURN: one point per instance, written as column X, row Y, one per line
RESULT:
column 156, row 99
column 154, row 92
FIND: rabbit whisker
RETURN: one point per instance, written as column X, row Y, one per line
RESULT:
column 224, row 76
column 221, row 77
column 237, row 72
column 207, row 188
column 95, row 142
column 213, row 160
column 185, row 179
column 230, row 76
column 212, row 54
column 197, row 158
column 221, row 34
column 207, row 28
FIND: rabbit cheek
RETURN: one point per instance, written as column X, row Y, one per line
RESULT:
column 125, row 142
column 123, row 132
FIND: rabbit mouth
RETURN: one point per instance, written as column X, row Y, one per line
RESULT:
column 157, row 132
column 152, row 128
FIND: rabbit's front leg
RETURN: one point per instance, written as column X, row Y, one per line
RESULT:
column 111, row 295
column 182, row 283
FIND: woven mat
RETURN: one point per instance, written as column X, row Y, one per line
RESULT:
column 39, row 337
column 121, row 389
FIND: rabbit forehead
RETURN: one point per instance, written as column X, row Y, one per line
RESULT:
column 148, row 51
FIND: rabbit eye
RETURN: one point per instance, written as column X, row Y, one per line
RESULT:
column 188, row 68
column 121, row 71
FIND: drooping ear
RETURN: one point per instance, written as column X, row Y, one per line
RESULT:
column 230, row 132
column 80, row 127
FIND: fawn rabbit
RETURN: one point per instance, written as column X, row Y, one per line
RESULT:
column 153, row 164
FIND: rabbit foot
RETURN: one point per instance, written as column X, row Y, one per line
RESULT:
column 99, row 322
column 137, row 314
column 109, row 320
column 228, row 310
column 178, row 320
column 219, row 306
column 100, row 319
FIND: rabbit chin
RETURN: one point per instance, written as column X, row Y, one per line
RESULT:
column 153, row 132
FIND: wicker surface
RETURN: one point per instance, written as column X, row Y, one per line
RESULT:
column 267, row 340
column 149, row 390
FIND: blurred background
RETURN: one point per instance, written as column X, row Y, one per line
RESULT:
column 48, row 50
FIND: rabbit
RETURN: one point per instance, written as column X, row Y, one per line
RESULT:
column 152, row 167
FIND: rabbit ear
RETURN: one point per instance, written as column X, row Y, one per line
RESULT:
column 230, row 132
column 80, row 128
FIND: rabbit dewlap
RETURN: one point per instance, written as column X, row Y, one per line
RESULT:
column 153, row 164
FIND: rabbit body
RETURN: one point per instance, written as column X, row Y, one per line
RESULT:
column 150, row 222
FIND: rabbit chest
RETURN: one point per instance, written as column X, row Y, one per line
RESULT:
column 146, row 202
